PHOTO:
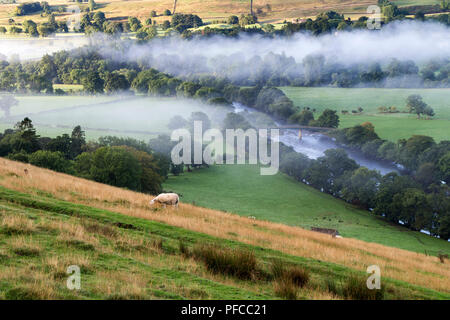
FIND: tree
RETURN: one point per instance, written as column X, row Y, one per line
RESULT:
column 78, row 141
column 361, row 187
column 150, row 179
column 413, row 148
column 50, row 160
column 115, row 82
column 6, row 103
column 233, row 20
column 92, row 82
column 235, row 121
column 167, row 12
column 415, row 104
column 176, row 122
column 91, row 5
column 165, row 25
column 444, row 167
column 135, row 24
column 414, row 209
column 30, row 27
column 303, row 117
column 295, row 165
column 174, row 6
column 117, row 167
column 328, row 118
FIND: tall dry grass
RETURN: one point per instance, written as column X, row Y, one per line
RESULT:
column 395, row 263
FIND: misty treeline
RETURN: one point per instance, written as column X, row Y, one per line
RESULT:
column 121, row 162
column 98, row 75
column 418, row 199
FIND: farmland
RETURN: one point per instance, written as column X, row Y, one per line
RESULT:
column 388, row 126
column 139, row 117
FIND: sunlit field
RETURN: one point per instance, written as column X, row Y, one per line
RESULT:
column 391, row 126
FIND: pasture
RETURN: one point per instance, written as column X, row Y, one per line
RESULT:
column 392, row 126
column 241, row 189
column 139, row 117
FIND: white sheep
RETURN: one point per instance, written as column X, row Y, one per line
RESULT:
column 166, row 199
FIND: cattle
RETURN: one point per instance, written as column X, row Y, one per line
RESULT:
column 166, row 199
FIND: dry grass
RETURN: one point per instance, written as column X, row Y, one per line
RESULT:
column 209, row 10
column 24, row 246
column 395, row 263
column 16, row 224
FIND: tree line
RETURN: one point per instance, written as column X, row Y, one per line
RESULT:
column 418, row 199
column 121, row 162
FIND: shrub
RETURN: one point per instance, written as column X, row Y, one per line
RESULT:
column 234, row 262
column 356, row 288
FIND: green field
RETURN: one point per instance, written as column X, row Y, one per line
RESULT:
column 388, row 126
column 139, row 117
column 241, row 189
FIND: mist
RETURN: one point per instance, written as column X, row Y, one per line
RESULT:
column 238, row 57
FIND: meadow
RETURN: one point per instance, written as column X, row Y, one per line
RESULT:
column 108, row 230
column 139, row 117
column 392, row 126
column 242, row 190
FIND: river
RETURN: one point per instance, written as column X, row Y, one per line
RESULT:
column 314, row 144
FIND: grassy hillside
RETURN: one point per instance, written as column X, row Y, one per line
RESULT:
column 68, row 197
column 388, row 126
column 132, row 252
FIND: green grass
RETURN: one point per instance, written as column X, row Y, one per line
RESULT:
column 388, row 126
column 241, row 189
column 163, row 274
column 140, row 117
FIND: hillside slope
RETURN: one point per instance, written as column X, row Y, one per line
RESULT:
column 44, row 201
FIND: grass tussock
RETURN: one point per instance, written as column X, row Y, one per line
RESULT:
column 286, row 289
column 16, row 225
column 57, row 265
column 356, row 289
column 26, row 247
column 297, row 275
column 238, row 263
column 100, row 229
column 184, row 250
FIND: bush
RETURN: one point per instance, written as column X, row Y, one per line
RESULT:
column 50, row 160
column 167, row 12
column 356, row 288
column 234, row 262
